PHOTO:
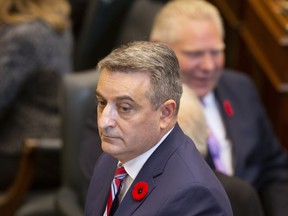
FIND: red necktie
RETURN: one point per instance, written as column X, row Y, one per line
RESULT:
column 119, row 175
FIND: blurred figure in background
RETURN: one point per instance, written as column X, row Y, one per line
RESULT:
column 191, row 118
column 243, row 144
column 36, row 45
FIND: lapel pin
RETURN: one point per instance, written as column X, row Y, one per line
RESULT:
column 140, row 190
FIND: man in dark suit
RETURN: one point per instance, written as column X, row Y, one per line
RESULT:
column 248, row 147
column 138, row 96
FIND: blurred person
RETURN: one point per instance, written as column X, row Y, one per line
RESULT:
column 247, row 146
column 36, row 45
column 162, row 172
column 191, row 118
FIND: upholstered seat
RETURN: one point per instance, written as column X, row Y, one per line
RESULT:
column 78, row 97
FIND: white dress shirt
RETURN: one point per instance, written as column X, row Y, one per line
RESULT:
column 134, row 166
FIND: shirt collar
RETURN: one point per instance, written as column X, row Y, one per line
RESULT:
column 134, row 166
column 209, row 99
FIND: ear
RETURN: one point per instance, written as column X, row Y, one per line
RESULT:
column 168, row 113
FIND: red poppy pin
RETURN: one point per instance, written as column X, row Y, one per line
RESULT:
column 228, row 108
column 139, row 191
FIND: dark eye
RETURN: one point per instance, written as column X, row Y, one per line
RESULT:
column 196, row 54
column 101, row 103
column 216, row 53
column 124, row 108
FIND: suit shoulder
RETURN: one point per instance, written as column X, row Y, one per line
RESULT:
column 189, row 162
column 235, row 75
column 236, row 79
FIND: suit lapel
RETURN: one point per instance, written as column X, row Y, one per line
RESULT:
column 233, row 124
column 229, row 121
column 102, row 178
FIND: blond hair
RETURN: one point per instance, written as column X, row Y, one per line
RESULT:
column 191, row 119
column 168, row 21
column 56, row 13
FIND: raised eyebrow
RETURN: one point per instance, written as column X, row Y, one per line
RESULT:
column 98, row 94
column 220, row 47
column 190, row 52
column 124, row 97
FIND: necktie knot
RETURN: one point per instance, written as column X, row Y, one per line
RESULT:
column 120, row 173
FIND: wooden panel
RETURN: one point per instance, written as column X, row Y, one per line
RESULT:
column 232, row 11
column 277, row 19
column 275, row 103
column 277, row 107
column 264, row 34
column 263, row 38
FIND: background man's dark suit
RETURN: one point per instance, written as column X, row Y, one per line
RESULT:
column 175, row 168
column 257, row 155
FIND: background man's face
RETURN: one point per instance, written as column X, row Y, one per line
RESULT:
column 200, row 51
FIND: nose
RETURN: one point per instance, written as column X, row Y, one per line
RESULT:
column 107, row 117
column 207, row 62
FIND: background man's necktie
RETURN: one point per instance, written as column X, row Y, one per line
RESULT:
column 214, row 148
column 119, row 175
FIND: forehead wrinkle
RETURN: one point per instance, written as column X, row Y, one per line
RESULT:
column 124, row 90
column 117, row 98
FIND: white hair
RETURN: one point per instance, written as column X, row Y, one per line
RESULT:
column 191, row 119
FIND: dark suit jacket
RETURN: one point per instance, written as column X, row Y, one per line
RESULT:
column 180, row 183
column 257, row 155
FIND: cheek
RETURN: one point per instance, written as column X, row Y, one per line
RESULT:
column 220, row 61
column 146, row 125
column 146, row 131
column 219, row 65
column 186, row 65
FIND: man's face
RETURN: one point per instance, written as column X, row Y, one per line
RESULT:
column 200, row 51
column 128, row 125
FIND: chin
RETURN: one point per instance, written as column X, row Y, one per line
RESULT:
column 106, row 147
column 109, row 148
column 200, row 93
